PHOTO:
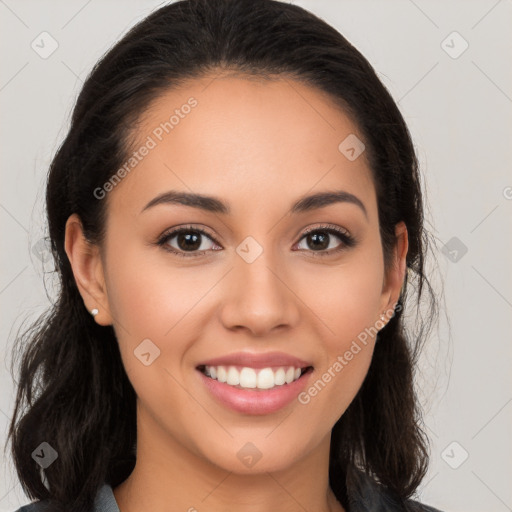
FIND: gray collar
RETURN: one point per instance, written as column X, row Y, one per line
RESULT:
column 105, row 500
column 365, row 495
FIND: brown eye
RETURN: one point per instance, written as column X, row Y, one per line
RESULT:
column 320, row 240
column 186, row 240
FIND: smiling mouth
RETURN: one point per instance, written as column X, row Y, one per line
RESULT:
column 252, row 378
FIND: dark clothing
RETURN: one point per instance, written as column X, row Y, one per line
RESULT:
column 366, row 496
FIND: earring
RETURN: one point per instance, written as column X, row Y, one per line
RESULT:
column 94, row 312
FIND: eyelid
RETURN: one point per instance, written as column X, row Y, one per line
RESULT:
column 172, row 232
column 333, row 227
column 347, row 240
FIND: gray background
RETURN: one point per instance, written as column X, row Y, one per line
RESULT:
column 458, row 108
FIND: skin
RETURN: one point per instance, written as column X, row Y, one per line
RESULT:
column 259, row 146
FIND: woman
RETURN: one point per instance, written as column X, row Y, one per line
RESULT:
column 232, row 215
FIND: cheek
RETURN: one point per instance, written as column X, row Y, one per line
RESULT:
column 346, row 298
column 347, row 301
column 151, row 307
column 335, row 386
column 148, row 296
column 154, row 298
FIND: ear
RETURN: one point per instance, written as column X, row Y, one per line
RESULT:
column 87, row 266
column 394, row 278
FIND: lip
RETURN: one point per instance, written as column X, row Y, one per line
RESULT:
column 255, row 401
column 257, row 361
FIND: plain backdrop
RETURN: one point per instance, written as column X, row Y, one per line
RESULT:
column 448, row 65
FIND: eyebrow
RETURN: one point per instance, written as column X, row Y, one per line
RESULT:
column 215, row 205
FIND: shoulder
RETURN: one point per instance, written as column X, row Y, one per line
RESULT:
column 416, row 506
column 38, row 506
column 366, row 495
column 104, row 502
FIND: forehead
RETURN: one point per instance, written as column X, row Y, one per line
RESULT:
column 249, row 140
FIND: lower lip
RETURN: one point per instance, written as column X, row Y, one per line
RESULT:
column 255, row 401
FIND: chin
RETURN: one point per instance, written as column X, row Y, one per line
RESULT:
column 254, row 458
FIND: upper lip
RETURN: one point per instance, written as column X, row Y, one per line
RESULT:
column 253, row 360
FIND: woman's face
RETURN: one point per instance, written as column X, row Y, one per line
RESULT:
column 254, row 284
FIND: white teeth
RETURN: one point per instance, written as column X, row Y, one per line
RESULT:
column 266, row 378
column 233, row 376
column 279, row 377
column 222, row 376
column 248, row 378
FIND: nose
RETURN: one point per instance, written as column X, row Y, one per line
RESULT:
column 259, row 298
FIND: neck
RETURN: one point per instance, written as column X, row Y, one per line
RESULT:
column 169, row 477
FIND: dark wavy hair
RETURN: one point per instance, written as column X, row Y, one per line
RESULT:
column 73, row 391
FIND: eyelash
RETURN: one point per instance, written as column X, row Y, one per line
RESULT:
column 348, row 241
